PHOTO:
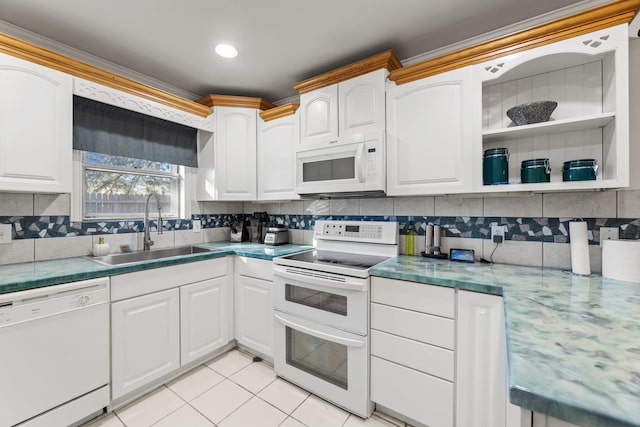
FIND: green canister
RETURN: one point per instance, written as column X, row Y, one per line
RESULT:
column 535, row 170
column 580, row 170
column 495, row 166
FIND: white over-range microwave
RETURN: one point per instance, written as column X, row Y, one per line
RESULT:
column 353, row 165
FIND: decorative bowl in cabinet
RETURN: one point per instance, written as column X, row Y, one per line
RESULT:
column 532, row 112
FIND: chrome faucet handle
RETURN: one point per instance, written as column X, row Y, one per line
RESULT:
column 159, row 221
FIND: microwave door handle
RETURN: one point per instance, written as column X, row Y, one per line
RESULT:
column 360, row 162
column 322, row 335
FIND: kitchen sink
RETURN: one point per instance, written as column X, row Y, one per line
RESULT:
column 117, row 259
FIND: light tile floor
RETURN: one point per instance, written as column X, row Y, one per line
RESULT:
column 234, row 391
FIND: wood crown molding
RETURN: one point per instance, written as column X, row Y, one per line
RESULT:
column 597, row 18
column 235, row 101
column 279, row 112
column 386, row 59
column 36, row 54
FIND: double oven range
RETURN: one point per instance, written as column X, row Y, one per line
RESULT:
column 321, row 310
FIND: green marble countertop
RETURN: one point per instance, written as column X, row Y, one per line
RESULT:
column 29, row 275
column 257, row 250
column 573, row 343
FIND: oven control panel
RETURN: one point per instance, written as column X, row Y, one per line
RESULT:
column 357, row 231
column 363, row 231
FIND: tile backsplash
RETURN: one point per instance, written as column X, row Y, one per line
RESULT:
column 537, row 224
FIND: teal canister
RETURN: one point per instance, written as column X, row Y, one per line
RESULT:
column 580, row 170
column 535, row 170
column 495, row 166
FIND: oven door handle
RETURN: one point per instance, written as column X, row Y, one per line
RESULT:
column 281, row 272
column 321, row 335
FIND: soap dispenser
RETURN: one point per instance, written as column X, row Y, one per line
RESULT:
column 101, row 248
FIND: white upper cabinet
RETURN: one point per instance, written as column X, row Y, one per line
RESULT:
column 361, row 103
column 319, row 116
column 588, row 77
column 227, row 161
column 277, row 142
column 235, row 153
column 346, row 110
column 36, row 118
column 206, row 176
column 430, row 138
column 227, row 158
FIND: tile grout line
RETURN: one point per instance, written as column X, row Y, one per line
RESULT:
column 203, row 415
column 177, row 409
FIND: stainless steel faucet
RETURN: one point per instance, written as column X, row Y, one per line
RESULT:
column 146, row 240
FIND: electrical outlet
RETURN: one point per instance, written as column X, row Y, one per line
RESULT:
column 497, row 230
column 196, row 225
column 5, row 234
column 609, row 233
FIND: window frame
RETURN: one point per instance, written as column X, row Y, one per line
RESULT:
column 80, row 185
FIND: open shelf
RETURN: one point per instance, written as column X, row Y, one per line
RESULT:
column 551, row 186
column 555, row 126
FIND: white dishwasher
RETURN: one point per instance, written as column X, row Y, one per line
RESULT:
column 54, row 353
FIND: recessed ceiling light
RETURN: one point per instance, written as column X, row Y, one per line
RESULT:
column 226, row 50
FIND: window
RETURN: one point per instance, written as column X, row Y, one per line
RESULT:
column 116, row 187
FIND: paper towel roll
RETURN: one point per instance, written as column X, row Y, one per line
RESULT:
column 621, row 260
column 579, row 248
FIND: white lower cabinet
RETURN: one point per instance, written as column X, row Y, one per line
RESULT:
column 145, row 338
column 412, row 393
column 410, row 324
column 254, row 305
column 166, row 318
column 426, row 342
column 541, row 420
column 203, row 315
column 481, row 378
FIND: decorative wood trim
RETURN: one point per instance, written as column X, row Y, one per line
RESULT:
column 32, row 53
column 234, row 101
column 386, row 59
column 279, row 112
column 118, row 98
column 605, row 16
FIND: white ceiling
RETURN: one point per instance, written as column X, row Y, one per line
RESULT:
column 280, row 42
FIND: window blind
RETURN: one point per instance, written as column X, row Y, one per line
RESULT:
column 107, row 129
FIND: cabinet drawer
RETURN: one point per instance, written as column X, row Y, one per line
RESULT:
column 414, row 394
column 258, row 268
column 158, row 279
column 421, row 327
column 414, row 296
column 431, row 360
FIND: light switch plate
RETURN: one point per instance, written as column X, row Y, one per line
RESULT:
column 197, row 225
column 609, row 233
column 5, row 234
